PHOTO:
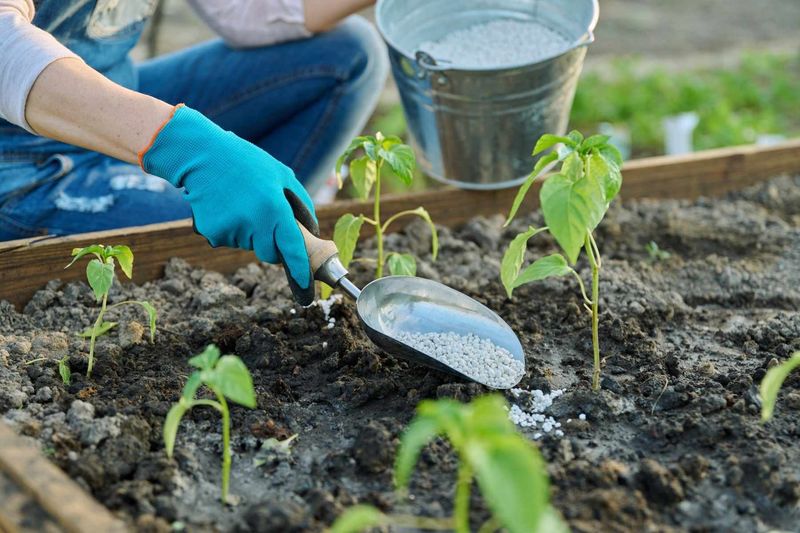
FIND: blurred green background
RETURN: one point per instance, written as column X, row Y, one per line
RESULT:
column 734, row 63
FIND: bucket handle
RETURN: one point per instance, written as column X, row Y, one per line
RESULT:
column 426, row 62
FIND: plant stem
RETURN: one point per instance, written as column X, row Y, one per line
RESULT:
column 226, row 444
column 94, row 334
column 421, row 522
column 595, row 317
column 396, row 216
column 582, row 286
column 461, row 506
column 377, row 217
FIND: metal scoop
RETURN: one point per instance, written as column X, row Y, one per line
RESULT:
column 390, row 306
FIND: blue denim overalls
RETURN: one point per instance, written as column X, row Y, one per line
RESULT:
column 302, row 101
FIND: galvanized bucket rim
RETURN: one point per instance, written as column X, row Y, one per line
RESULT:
column 585, row 40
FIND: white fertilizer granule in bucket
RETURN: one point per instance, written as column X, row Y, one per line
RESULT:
column 495, row 44
column 477, row 358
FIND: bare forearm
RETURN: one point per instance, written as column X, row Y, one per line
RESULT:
column 322, row 15
column 73, row 103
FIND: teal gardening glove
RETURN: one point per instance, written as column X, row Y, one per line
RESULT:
column 240, row 195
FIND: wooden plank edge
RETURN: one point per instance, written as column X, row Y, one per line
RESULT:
column 27, row 265
column 72, row 508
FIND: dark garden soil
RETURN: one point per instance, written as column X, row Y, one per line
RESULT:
column 672, row 442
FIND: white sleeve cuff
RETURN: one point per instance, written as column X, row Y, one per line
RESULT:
column 27, row 51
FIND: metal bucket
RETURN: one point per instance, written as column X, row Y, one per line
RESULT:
column 475, row 128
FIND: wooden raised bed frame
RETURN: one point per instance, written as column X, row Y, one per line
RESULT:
column 27, row 265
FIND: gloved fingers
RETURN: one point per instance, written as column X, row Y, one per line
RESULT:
column 302, row 194
column 301, row 212
column 264, row 247
column 292, row 253
column 210, row 239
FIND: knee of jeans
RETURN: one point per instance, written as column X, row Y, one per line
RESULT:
column 369, row 65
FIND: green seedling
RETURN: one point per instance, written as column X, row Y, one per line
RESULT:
column 100, row 275
column 656, row 253
column 379, row 152
column 64, row 371
column 573, row 202
column 772, row 382
column 509, row 470
column 227, row 377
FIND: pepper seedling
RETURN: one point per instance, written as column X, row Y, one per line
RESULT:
column 772, row 382
column 573, row 202
column 365, row 173
column 100, row 275
column 509, row 469
column 227, row 377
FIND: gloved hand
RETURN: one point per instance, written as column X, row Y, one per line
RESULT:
column 240, row 195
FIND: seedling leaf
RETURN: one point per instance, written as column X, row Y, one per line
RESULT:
column 363, row 173
column 355, row 144
column 64, row 371
column 611, row 153
column 514, row 257
column 100, row 276
column 548, row 140
column 552, row 522
column 576, row 137
column 206, row 359
column 171, row 424
column 77, row 253
column 192, row 384
column 512, row 480
column 417, row 435
column 551, row 266
column 232, row 379
column 400, row 159
column 771, row 385
column 102, row 329
column 571, row 209
column 593, row 142
column 345, row 235
column 523, row 190
column 402, row 265
column 124, row 257
column 152, row 314
column 573, row 166
column 357, row 519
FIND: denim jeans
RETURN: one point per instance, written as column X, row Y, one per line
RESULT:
column 301, row 101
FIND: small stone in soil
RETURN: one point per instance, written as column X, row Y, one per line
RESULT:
column 477, row 358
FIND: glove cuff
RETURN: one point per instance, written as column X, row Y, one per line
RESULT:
column 181, row 145
column 144, row 150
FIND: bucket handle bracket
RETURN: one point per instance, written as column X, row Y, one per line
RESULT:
column 428, row 66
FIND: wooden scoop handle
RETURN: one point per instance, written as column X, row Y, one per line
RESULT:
column 319, row 250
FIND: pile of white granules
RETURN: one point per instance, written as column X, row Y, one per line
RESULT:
column 476, row 358
column 532, row 416
column 498, row 43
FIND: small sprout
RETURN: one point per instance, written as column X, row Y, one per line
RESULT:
column 365, row 173
column 100, row 275
column 574, row 202
column 510, row 472
column 656, row 253
column 771, row 385
column 273, row 449
column 64, row 371
column 227, row 377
